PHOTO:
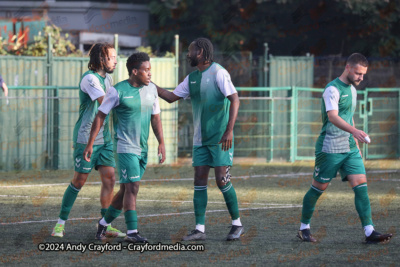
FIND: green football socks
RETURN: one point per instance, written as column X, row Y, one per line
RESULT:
column 68, row 201
column 200, row 203
column 309, row 202
column 131, row 219
column 363, row 205
column 231, row 200
column 111, row 214
column 103, row 212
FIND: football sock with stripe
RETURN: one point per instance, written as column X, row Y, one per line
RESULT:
column 309, row 202
column 111, row 214
column 131, row 219
column 200, row 199
column 363, row 205
column 68, row 201
column 103, row 212
column 231, row 201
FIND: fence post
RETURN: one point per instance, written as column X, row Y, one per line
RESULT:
column 265, row 69
column 176, row 59
column 48, row 107
column 292, row 124
column 56, row 115
column 398, row 123
column 365, row 122
column 271, row 119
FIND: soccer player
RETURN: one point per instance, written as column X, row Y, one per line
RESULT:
column 215, row 105
column 337, row 149
column 135, row 105
column 92, row 88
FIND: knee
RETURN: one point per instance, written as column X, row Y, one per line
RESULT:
column 200, row 182
column 109, row 181
column 132, row 188
column 221, row 181
column 78, row 183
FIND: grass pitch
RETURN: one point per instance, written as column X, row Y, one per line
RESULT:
column 270, row 200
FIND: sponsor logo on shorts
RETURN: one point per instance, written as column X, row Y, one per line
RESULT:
column 325, row 179
column 86, row 168
column 128, row 97
column 192, row 82
column 134, row 177
column 345, row 95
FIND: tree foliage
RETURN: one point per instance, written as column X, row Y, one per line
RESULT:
column 290, row 27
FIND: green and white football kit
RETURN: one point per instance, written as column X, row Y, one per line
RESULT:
column 208, row 91
column 132, row 110
column 336, row 150
column 91, row 87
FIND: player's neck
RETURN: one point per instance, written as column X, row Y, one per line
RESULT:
column 133, row 82
column 203, row 65
column 102, row 73
column 343, row 78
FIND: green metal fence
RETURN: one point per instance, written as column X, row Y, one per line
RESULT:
column 36, row 127
column 286, row 128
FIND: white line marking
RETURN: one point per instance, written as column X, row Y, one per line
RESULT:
column 155, row 215
column 152, row 200
column 286, row 175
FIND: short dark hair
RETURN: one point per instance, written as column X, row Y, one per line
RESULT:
column 98, row 54
column 208, row 49
column 136, row 60
column 357, row 58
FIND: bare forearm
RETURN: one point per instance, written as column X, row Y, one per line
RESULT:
column 355, row 139
column 233, row 112
column 166, row 95
column 157, row 128
column 341, row 124
column 5, row 89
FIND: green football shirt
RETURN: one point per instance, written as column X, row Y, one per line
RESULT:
column 91, row 87
column 132, row 109
column 342, row 97
column 208, row 91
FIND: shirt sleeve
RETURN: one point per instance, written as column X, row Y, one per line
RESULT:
column 110, row 101
column 156, row 107
column 90, row 85
column 182, row 90
column 224, row 83
column 331, row 98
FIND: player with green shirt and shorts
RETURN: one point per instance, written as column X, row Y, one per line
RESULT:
column 337, row 150
column 135, row 106
column 215, row 105
column 92, row 89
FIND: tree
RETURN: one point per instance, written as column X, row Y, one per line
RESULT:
column 289, row 27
